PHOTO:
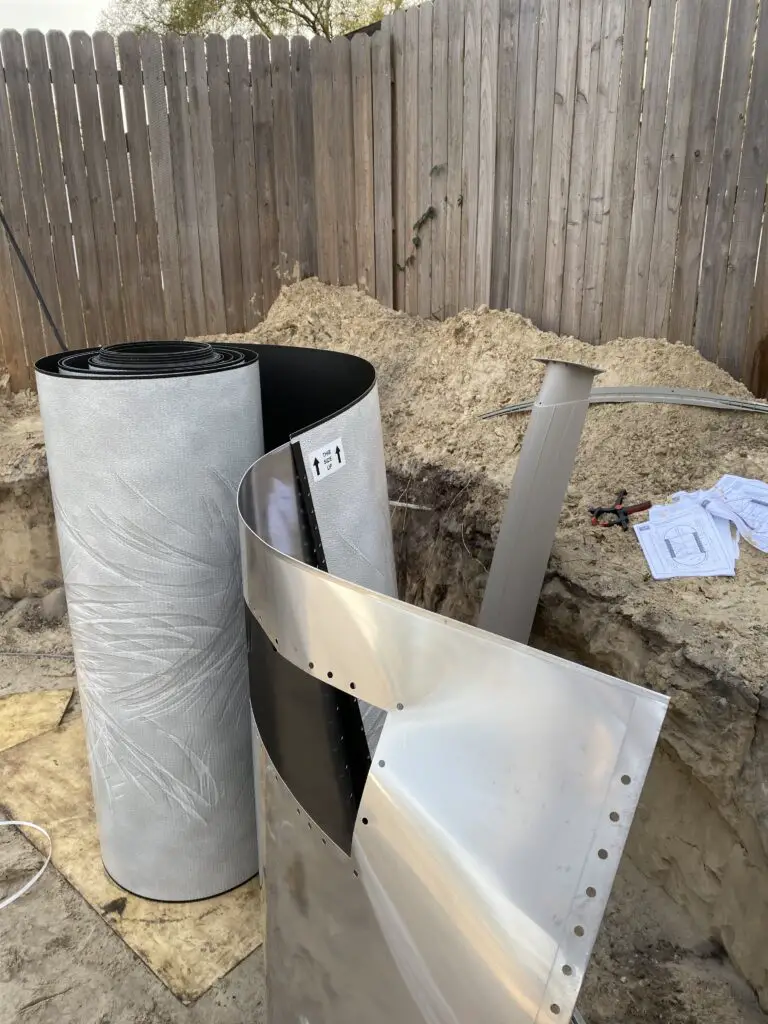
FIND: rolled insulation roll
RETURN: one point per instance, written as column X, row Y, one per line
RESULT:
column 146, row 446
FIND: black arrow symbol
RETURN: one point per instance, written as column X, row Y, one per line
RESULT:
column 316, row 464
column 338, row 453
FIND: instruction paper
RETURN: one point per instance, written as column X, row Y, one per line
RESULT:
column 685, row 542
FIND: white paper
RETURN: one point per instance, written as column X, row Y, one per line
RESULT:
column 683, row 540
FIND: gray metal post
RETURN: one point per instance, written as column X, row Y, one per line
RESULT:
column 535, row 500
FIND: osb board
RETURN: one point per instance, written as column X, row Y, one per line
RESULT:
column 189, row 946
column 26, row 715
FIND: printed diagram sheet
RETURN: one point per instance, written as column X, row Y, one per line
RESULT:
column 685, row 544
column 698, row 533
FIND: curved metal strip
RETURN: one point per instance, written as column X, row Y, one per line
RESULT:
column 493, row 817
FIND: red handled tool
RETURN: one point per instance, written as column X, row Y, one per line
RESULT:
column 619, row 512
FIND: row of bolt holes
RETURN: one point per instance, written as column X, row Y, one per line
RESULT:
column 591, row 891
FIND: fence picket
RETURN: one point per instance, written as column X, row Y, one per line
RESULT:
column 263, row 140
column 343, row 169
column 381, row 68
column 362, row 120
column 120, row 185
column 538, row 50
column 454, row 198
column 422, row 227
column 411, row 157
column 509, row 20
column 399, row 107
column 301, row 84
column 471, row 153
column 489, row 71
column 285, row 158
column 439, row 171
column 32, row 187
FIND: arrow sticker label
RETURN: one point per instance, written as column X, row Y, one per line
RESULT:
column 326, row 460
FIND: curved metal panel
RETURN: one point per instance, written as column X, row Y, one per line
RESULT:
column 492, row 819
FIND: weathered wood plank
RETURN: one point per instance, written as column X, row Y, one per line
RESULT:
column 77, row 187
column 263, row 139
column 734, row 352
column 120, row 184
column 582, row 151
column 381, row 69
column 224, row 168
column 756, row 354
column 609, row 75
column 72, row 323
column 182, row 162
column 32, row 187
column 12, row 335
column 662, row 260
column 439, row 172
column 141, row 180
column 285, row 158
column 646, row 188
column 562, row 139
column 98, row 184
column 362, row 120
column 452, row 301
column 162, row 182
column 489, row 72
column 509, row 20
column 344, row 159
column 399, row 106
column 18, row 289
column 422, row 227
column 624, row 158
column 325, row 186
column 536, row 68
column 471, row 157
column 411, row 156
column 729, row 135
column 205, row 183
column 301, row 84
column 697, row 168
column 245, row 179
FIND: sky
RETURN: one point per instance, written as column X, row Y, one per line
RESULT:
column 46, row 14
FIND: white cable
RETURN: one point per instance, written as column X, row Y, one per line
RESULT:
column 27, row 885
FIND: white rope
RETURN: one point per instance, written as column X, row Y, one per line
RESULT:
column 27, row 885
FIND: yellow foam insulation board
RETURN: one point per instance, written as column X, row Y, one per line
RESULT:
column 26, row 715
column 189, row 946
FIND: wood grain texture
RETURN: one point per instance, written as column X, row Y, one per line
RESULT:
column 245, row 179
column 756, row 354
column 98, row 184
column 72, row 324
column 120, row 184
column 729, row 134
column 344, row 159
column 422, row 226
column 137, row 140
column 562, row 139
column 646, row 187
column 205, row 183
column 506, row 90
column 582, row 152
column 454, row 199
column 676, row 129
column 624, row 158
column 163, row 188
column 185, row 192
column 224, row 168
column 399, row 105
column 471, row 155
column 285, row 159
column 536, row 69
column 609, row 75
column 381, row 70
column 11, row 331
column 439, row 171
column 362, row 122
column 325, row 189
column 77, row 187
column 263, row 140
column 489, row 72
column 301, row 86
column 411, row 204
column 734, row 351
column 697, row 168
column 32, row 188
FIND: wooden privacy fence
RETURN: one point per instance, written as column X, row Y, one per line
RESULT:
column 598, row 165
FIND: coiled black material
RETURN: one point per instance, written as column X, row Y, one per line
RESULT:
column 149, row 359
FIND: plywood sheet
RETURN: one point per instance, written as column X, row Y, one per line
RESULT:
column 26, row 715
column 189, row 946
